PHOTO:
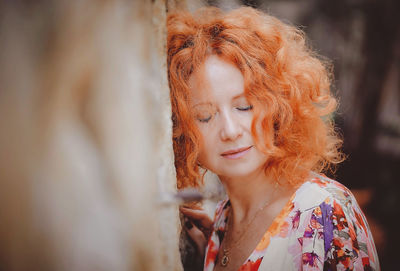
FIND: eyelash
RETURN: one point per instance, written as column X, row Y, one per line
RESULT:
column 205, row 120
column 247, row 108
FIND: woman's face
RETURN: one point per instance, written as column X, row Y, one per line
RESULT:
column 224, row 116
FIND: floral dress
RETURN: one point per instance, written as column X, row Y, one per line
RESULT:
column 320, row 228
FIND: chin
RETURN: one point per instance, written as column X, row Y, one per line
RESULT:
column 240, row 172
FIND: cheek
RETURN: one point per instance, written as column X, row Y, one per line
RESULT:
column 246, row 120
column 202, row 157
column 262, row 158
column 206, row 148
column 207, row 135
column 205, row 159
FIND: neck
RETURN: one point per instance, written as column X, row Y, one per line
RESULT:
column 249, row 194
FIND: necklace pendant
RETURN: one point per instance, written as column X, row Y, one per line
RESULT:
column 224, row 260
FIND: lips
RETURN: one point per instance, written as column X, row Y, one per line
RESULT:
column 236, row 153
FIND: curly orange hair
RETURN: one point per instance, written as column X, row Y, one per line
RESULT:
column 287, row 84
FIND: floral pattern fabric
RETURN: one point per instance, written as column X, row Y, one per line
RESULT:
column 320, row 228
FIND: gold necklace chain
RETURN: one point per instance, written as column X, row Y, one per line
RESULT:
column 225, row 257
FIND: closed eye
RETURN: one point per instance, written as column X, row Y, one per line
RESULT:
column 244, row 108
column 205, row 120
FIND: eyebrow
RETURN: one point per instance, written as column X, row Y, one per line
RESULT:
column 239, row 96
column 234, row 98
column 205, row 103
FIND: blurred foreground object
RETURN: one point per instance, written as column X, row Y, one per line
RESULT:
column 85, row 141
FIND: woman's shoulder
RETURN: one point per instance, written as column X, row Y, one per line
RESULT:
column 330, row 223
column 319, row 189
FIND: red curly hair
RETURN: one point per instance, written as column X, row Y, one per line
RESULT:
column 287, row 84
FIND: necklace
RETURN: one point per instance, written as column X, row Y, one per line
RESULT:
column 225, row 256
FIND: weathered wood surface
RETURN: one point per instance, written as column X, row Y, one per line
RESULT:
column 85, row 137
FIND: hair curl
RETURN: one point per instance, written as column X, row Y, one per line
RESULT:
column 287, row 84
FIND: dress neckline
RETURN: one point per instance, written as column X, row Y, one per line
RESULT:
column 257, row 254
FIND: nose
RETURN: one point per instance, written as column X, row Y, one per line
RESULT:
column 230, row 127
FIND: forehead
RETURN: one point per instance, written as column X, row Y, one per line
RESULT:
column 216, row 79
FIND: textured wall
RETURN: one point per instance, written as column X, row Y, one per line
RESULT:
column 85, row 142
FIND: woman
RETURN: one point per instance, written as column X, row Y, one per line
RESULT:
column 252, row 104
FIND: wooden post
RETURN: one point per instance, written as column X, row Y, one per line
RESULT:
column 85, row 142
